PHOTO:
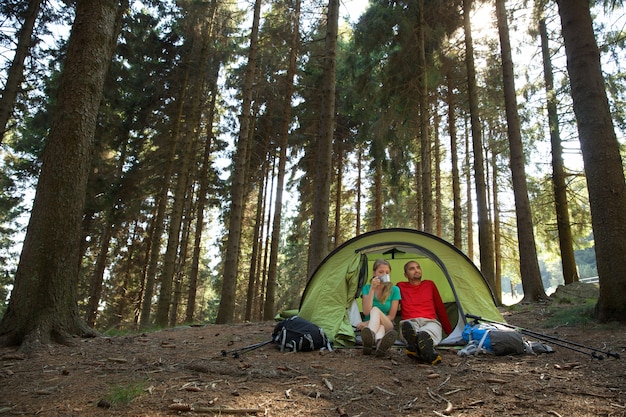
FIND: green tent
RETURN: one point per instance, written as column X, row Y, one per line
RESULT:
column 337, row 281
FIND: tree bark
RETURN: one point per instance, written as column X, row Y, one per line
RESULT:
column 156, row 237
column 438, row 227
column 601, row 156
column 359, row 169
column 378, row 195
column 43, row 305
column 497, row 253
column 484, row 227
column 338, row 192
column 270, row 294
column 454, row 158
column 198, row 55
column 95, row 290
column 529, row 264
column 425, row 153
column 201, row 206
column 226, row 310
column 566, row 243
column 321, row 203
column 469, row 200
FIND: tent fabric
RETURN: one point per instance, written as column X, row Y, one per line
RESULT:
column 337, row 281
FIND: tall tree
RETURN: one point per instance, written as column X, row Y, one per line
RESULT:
column 16, row 70
column 529, row 265
column 454, row 157
column 283, row 136
column 601, row 156
column 43, row 305
column 197, row 56
column 202, row 198
column 321, row 203
column 170, row 149
column 424, row 116
column 566, row 244
column 487, row 263
column 226, row 310
column 468, row 192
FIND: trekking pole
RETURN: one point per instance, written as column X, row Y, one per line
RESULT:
column 245, row 349
column 552, row 339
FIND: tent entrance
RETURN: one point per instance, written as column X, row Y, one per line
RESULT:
column 433, row 269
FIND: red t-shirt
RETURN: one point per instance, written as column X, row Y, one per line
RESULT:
column 423, row 301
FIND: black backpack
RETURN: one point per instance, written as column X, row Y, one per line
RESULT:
column 299, row 335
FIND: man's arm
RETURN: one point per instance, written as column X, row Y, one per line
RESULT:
column 442, row 314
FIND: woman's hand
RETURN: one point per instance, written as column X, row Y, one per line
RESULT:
column 361, row 325
column 375, row 282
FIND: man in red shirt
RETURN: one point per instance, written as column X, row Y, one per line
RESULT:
column 423, row 315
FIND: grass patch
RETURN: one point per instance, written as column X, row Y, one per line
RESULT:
column 124, row 394
column 118, row 332
column 571, row 316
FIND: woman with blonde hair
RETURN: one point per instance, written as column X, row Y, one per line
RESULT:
column 380, row 301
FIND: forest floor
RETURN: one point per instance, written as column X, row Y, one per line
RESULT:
column 182, row 371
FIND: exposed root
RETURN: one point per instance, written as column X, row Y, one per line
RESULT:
column 29, row 339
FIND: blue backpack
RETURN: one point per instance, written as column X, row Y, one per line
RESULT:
column 491, row 338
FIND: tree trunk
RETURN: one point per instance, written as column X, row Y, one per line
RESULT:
column 359, row 168
column 469, row 199
column 497, row 253
column 159, row 222
column 226, row 310
column 529, row 265
column 15, row 75
column 95, row 290
column 201, row 205
column 419, row 201
column 321, row 202
column 378, row 195
column 173, row 237
column 338, row 193
column 425, row 154
column 211, row 82
column 270, row 295
column 566, row 243
column 43, row 305
column 124, row 292
column 180, row 270
column 437, row 162
column 257, row 244
column 484, row 227
column 454, row 157
column 601, row 156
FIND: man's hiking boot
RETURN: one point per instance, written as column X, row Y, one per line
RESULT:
column 427, row 349
column 420, row 345
column 408, row 332
column 367, row 336
column 386, row 342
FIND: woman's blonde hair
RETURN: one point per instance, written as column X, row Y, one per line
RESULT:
column 386, row 285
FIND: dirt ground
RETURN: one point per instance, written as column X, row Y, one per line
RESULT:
column 182, row 372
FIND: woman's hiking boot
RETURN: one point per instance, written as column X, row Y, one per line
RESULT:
column 367, row 336
column 386, row 342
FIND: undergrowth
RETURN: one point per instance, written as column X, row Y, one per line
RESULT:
column 571, row 316
column 124, row 394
